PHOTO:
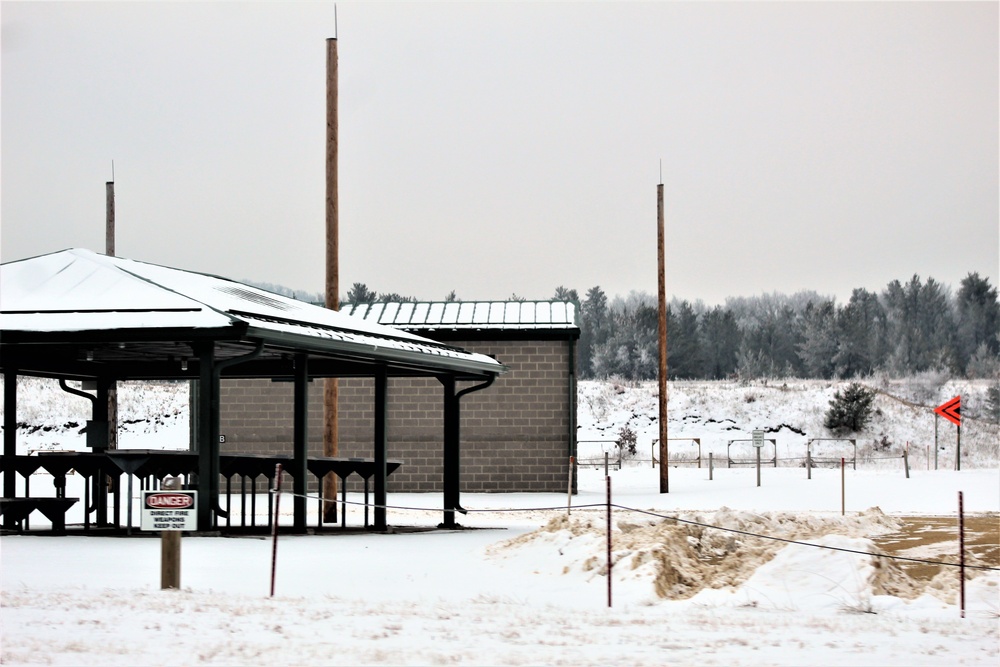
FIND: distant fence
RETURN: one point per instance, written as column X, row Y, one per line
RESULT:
column 678, row 456
column 688, row 453
column 595, row 457
column 747, row 457
column 815, row 456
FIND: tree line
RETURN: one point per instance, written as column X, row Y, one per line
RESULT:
column 907, row 328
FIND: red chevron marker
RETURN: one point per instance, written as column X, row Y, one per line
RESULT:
column 952, row 410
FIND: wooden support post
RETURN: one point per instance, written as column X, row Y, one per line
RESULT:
column 170, row 547
column 662, row 374
column 906, row 462
column 331, row 444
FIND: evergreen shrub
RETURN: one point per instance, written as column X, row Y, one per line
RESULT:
column 850, row 409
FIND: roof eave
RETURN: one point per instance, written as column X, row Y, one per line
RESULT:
column 390, row 355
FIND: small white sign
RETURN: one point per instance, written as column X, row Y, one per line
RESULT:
column 758, row 438
column 169, row 510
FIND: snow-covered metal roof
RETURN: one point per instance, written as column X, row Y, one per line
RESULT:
column 78, row 290
column 468, row 315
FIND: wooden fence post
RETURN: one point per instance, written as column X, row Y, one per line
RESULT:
column 170, row 547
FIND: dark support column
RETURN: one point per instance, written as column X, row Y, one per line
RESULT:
column 214, row 408
column 381, row 445
column 451, row 452
column 213, row 442
column 9, row 434
column 99, row 441
column 100, row 416
column 571, row 398
column 300, row 438
column 203, row 443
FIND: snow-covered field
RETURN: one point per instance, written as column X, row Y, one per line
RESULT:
column 531, row 586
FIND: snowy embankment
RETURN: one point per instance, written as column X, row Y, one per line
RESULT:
column 530, row 587
column 723, row 415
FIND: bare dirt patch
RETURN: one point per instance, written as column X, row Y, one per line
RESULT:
column 936, row 539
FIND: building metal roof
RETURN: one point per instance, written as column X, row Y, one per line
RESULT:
column 469, row 315
column 78, row 295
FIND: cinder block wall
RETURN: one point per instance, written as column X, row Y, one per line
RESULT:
column 516, row 435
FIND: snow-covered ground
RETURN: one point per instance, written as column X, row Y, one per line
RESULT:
column 531, row 586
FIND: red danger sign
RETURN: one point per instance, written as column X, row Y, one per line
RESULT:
column 169, row 510
column 169, row 499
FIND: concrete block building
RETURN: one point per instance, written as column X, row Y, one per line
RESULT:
column 516, row 436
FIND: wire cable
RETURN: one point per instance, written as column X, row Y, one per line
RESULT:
column 653, row 514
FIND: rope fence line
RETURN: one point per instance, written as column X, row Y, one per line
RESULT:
column 438, row 509
column 660, row 516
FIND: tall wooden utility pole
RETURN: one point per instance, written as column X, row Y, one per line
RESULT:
column 109, row 250
column 662, row 291
column 331, row 444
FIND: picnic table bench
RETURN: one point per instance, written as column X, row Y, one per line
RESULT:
column 17, row 510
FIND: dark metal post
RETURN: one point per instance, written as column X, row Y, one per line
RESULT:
column 843, row 488
column 608, row 482
column 958, row 448
column 758, row 464
column 274, row 524
column 381, row 445
column 9, row 437
column 300, row 438
column 452, row 474
column 203, row 444
column 936, row 418
column 961, row 550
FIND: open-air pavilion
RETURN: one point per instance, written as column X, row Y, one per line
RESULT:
column 76, row 315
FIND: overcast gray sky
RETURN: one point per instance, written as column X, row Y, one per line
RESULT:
column 511, row 148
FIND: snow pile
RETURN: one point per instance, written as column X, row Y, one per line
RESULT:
column 677, row 560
